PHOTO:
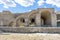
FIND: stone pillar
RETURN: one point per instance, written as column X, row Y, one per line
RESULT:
column 26, row 22
column 14, row 24
column 38, row 19
column 1, row 23
column 53, row 20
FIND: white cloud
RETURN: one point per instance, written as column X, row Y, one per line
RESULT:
column 53, row 2
column 45, row 6
column 40, row 2
column 29, row 10
column 25, row 3
column 12, row 3
column 8, row 3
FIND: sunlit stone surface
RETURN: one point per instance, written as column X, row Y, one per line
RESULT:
column 40, row 17
column 36, row 36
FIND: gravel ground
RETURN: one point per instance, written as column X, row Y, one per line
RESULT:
column 33, row 36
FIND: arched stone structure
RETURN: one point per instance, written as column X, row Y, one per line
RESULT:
column 11, row 24
column 46, row 18
column 32, row 18
column 38, row 17
column 47, row 15
column 20, row 21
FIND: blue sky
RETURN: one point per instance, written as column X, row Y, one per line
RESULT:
column 19, row 6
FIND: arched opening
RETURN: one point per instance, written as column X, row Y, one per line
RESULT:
column 43, row 21
column 32, row 22
column 32, row 18
column 11, row 24
column 22, row 20
column 45, row 18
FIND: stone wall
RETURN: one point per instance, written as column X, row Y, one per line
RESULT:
column 6, row 17
column 48, row 15
column 30, row 29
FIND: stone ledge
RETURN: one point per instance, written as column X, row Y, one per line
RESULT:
column 30, row 29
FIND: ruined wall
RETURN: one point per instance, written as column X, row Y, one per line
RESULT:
column 6, row 17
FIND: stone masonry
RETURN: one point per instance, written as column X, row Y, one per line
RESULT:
column 39, row 17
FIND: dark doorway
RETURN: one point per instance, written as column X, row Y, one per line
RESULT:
column 46, row 18
column 43, row 21
column 22, row 20
column 32, row 20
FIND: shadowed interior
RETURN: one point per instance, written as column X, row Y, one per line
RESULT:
column 45, row 18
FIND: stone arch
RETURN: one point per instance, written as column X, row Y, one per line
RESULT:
column 46, row 18
column 11, row 23
column 32, row 13
column 20, row 20
column 32, row 17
